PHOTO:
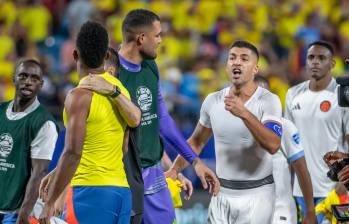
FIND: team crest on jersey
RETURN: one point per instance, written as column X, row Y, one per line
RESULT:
column 325, row 106
column 144, row 98
column 296, row 138
column 6, row 144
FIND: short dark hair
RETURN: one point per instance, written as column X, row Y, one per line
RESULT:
column 137, row 19
column 32, row 61
column 324, row 44
column 245, row 44
column 92, row 44
column 113, row 57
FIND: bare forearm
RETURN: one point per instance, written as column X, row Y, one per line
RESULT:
column 180, row 163
column 264, row 136
column 31, row 192
column 303, row 176
column 128, row 110
column 63, row 175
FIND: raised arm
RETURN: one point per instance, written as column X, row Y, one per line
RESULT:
column 128, row 110
column 266, row 132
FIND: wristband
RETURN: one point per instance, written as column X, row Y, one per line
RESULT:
column 116, row 92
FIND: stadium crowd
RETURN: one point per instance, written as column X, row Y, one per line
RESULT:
column 293, row 41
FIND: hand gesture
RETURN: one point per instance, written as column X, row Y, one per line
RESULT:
column 188, row 186
column 234, row 105
column 207, row 177
column 333, row 156
column 98, row 84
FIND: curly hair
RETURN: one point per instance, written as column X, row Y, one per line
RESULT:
column 92, row 44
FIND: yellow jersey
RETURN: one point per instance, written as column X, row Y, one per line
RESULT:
column 101, row 161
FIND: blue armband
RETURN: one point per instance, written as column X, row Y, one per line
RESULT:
column 275, row 127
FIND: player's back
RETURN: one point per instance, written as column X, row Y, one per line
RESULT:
column 101, row 161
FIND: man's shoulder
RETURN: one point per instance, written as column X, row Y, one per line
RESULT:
column 217, row 95
column 266, row 95
column 298, row 89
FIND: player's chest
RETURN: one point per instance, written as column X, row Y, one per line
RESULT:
column 224, row 123
column 310, row 106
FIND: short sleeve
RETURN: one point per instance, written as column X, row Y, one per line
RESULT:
column 288, row 110
column 43, row 145
column 205, row 111
column 271, row 107
column 291, row 141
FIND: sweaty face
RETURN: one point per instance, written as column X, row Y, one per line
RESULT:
column 241, row 66
column 319, row 62
column 151, row 39
column 28, row 80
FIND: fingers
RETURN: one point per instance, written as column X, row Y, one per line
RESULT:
column 190, row 191
column 343, row 175
column 203, row 181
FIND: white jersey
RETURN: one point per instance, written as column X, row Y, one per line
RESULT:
column 291, row 150
column 322, row 125
column 238, row 155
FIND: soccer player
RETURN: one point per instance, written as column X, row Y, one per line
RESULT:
column 28, row 135
column 92, row 157
column 245, row 122
column 290, row 153
column 141, row 31
column 312, row 106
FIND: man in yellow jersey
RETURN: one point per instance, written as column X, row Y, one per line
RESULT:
column 92, row 157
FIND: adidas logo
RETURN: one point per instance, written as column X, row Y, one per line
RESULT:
column 296, row 107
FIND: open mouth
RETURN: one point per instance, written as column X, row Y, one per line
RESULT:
column 26, row 91
column 315, row 69
column 237, row 71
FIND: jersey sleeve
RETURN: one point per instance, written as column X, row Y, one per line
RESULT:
column 291, row 142
column 205, row 111
column 271, row 114
column 288, row 107
column 43, row 145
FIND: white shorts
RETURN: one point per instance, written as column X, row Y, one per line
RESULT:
column 285, row 215
column 252, row 206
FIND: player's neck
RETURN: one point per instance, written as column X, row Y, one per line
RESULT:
column 131, row 53
column 85, row 71
column 20, row 103
column 245, row 91
column 321, row 84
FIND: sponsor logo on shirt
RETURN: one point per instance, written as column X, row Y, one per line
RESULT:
column 325, row 106
column 144, row 98
column 296, row 107
column 6, row 144
column 296, row 138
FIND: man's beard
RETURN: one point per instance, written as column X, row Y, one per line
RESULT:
column 147, row 56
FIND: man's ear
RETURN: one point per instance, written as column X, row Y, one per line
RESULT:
column 256, row 69
column 75, row 55
column 107, row 56
column 333, row 63
column 140, row 38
